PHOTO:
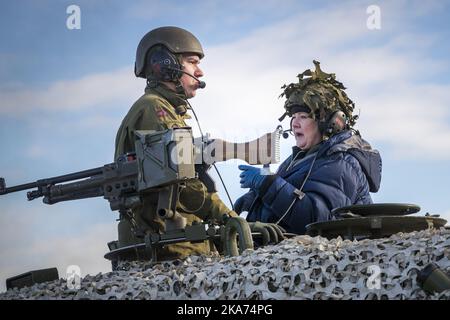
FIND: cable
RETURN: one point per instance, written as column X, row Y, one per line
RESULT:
column 223, row 183
column 299, row 191
column 196, row 119
column 214, row 165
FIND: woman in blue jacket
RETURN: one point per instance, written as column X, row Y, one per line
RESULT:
column 331, row 166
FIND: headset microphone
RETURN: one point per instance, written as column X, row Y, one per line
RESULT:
column 285, row 133
column 201, row 84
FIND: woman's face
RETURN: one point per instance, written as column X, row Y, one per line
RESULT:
column 305, row 130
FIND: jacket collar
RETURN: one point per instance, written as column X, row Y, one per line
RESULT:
column 174, row 98
column 328, row 145
column 300, row 153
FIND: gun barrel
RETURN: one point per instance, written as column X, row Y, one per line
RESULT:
column 5, row 190
column 82, row 194
column 77, row 186
column 49, row 181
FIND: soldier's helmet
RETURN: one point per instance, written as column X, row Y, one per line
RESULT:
column 321, row 95
column 176, row 40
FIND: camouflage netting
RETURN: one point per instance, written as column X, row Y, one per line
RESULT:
column 299, row 268
column 319, row 91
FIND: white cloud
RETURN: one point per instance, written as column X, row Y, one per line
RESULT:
column 413, row 118
column 85, row 250
column 73, row 95
column 244, row 79
column 35, row 151
column 36, row 236
column 385, row 81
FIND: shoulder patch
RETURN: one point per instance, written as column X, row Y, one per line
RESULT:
column 161, row 113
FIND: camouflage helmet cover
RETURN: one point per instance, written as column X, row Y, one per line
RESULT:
column 177, row 40
column 321, row 93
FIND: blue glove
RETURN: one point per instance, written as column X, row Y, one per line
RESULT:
column 251, row 177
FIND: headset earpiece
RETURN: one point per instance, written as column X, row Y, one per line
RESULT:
column 164, row 65
column 336, row 122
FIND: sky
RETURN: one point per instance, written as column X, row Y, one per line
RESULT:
column 64, row 92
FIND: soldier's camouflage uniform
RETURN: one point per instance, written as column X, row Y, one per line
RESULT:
column 155, row 110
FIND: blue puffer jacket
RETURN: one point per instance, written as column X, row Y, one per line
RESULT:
column 345, row 169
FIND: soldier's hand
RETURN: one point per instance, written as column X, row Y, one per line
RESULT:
column 271, row 233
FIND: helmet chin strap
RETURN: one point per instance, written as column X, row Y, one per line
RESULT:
column 153, row 82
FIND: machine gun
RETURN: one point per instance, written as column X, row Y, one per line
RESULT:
column 163, row 161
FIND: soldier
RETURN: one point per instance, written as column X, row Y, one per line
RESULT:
column 331, row 166
column 168, row 58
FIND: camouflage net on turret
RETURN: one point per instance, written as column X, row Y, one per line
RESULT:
column 298, row 268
